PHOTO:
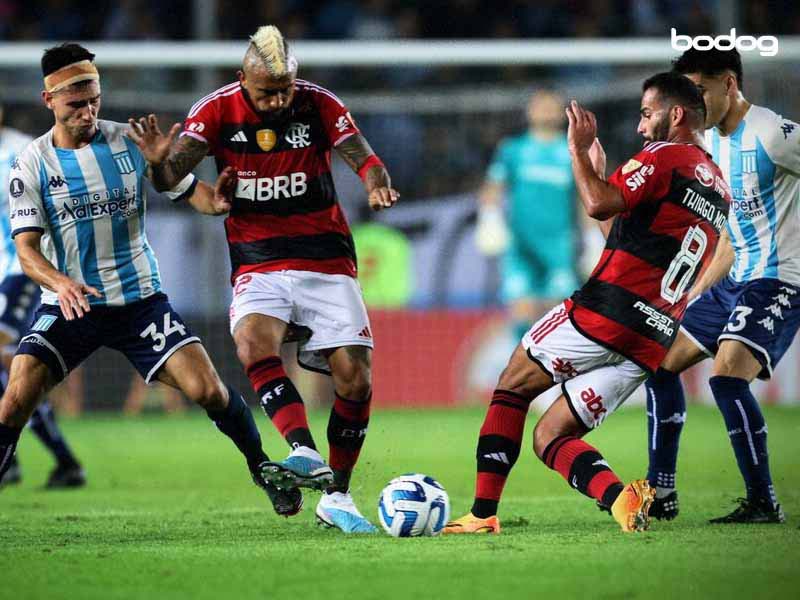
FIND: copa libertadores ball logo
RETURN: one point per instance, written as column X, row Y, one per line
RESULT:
column 767, row 45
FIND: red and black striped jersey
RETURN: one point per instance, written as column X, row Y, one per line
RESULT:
column 285, row 212
column 677, row 204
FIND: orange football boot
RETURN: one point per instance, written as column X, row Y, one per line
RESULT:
column 469, row 523
column 632, row 506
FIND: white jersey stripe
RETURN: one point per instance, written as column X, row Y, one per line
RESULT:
column 223, row 91
column 312, row 86
column 90, row 204
column 207, row 98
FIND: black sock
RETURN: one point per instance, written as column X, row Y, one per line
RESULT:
column 43, row 424
column 237, row 422
column 9, row 436
column 666, row 414
column 748, row 434
column 281, row 401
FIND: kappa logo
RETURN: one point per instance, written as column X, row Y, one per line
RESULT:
column 15, row 164
column 56, row 181
column 786, row 128
column 704, row 175
column 593, row 402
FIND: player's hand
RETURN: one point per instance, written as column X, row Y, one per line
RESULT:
column 223, row 191
column 582, row 129
column 153, row 143
column 598, row 157
column 383, row 197
column 72, row 298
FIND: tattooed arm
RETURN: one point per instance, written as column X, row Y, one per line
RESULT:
column 356, row 152
column 168, row 162
column 183, row 157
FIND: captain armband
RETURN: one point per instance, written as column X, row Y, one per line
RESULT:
column 372, row 161
column 184, row 189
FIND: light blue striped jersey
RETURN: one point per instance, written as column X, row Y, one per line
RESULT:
column 761, row 161
column 12, row 142
column 90, row 206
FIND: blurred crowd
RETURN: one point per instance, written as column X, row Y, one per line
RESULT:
column 384, row 19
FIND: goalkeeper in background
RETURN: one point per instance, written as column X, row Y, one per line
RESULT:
column 539, row 243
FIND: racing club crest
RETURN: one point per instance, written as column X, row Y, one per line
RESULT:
column 124, row 162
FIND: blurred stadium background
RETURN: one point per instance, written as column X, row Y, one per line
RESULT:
column 433, row 85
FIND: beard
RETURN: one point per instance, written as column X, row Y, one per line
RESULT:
column 275, row 118
column 660, row 131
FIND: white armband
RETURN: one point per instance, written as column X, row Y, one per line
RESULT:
column 184, row 188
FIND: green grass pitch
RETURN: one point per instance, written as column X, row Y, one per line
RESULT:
column 170, row 513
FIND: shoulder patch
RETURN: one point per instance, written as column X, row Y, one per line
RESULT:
column 631, row 165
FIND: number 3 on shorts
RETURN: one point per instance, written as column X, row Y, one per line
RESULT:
column 159, row 338
column 740, row 314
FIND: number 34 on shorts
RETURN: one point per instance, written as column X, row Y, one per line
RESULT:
column 159, row 337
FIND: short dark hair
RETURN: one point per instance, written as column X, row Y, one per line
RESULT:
column 62, row 55
column 681, row 90
column 710, row 63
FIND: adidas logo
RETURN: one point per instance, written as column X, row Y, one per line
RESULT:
column 600, row 463
column 239, row 137
column 365, row 333
column 498, row 456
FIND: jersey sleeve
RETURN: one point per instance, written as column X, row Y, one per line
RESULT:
column 26, row 211
column 781, row 142
column 640, row 179
column 499, row 169
column 203, row 123
column 336, row 119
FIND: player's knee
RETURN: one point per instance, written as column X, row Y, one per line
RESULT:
column 17, row 405
column 250, row 348
column 542, row 436
column 355, row 384
column 207, row 391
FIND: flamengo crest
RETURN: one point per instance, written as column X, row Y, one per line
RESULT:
column 298, row 135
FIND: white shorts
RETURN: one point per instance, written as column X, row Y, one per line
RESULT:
column 594, row 379
column 331, row 306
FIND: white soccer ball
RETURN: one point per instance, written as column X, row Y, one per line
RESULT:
column 413, row 505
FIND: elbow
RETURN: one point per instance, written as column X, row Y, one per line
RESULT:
column 599, row 212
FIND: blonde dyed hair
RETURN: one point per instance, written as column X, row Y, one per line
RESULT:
column 272, row 49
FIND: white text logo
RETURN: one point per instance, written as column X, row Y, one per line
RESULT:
column 767, row 45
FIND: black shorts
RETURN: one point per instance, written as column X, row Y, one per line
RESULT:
column 147, row 332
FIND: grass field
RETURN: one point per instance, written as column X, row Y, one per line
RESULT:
column 170, row 513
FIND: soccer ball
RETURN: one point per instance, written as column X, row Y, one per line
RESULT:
column 413, row 505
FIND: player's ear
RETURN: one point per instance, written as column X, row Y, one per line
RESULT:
column 730, row 83
column 242, row 78
column 47, row 99
column 678, row 114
